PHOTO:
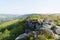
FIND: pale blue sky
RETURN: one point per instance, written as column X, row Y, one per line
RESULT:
column 29, row 6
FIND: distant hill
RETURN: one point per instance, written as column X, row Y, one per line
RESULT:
column 8, row 17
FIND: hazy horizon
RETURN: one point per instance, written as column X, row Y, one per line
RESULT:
column 29, row 6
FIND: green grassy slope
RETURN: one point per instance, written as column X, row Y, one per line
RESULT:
column 10, row 30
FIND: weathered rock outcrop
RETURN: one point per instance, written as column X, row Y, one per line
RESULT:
column 34, row 24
